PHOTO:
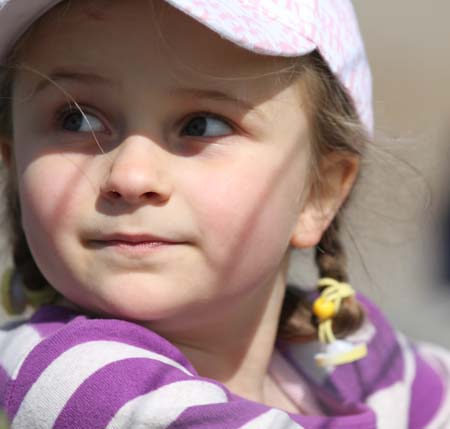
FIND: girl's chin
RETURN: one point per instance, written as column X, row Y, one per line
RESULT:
column 134, row 308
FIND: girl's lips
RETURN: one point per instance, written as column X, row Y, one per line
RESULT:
column 133, row 244
column 133, row 239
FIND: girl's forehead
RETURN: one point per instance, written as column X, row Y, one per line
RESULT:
column 139, row 33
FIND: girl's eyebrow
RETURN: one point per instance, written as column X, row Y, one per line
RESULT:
column 58, row 77
column 214, row 95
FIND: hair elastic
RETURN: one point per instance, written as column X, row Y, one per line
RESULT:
column 325, row 308
column 16, row 297
column 13, row 294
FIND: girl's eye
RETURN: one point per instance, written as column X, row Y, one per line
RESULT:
column 206, row 126
column 79, row 123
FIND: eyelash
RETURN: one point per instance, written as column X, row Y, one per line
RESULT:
column 206, row 114
column 70, row 109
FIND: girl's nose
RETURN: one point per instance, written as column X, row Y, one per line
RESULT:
column 137, row 174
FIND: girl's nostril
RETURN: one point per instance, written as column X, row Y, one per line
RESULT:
column 114, row 194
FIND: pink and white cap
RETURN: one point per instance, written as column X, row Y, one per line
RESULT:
column 287, row 28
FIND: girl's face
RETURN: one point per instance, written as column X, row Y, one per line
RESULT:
column 189, row 193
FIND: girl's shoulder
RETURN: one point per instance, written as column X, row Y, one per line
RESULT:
column 59, row 329
column 58, row 363
column 19, row 338
column 405, row 383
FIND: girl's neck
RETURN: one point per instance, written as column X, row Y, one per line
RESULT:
column 237, row 350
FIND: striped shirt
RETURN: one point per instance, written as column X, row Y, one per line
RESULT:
column 65, row 370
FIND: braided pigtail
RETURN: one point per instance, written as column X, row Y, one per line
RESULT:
column 24, row 264
column 331, row 263
column 298, row 322
column 23, row 285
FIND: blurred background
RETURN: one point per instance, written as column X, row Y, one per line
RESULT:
column 400, row 219
column 398, row 223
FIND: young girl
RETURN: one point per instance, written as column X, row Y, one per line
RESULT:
column 163, row 160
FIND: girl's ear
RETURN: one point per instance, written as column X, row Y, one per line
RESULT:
column 5, row 146
column 339, row 172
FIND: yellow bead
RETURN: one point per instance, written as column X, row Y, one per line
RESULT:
column 324, row 309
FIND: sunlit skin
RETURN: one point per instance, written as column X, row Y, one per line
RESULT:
column 179, row 213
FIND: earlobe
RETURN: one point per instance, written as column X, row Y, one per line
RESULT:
column 311, row 224
column 339, row 174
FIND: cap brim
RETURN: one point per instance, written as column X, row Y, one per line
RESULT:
column 253, row 28
column 17, row 16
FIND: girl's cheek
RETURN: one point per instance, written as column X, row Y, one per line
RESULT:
column 241, row 206
column 49, row 188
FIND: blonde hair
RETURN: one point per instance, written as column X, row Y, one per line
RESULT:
column 335, row 127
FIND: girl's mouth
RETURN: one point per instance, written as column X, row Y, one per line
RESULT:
column 134, row 244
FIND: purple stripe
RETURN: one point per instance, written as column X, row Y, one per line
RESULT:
column 51, row 318
column 240, row 411
column 427, row 395
column 381, row 368
column 219, row 416
column 356, row 417
column 81, row 330
column 5, row 379
column 98, row 399
column 52, row 313
column 365, row 420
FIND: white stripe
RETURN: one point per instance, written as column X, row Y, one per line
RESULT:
column 15, row 345
column 50, row 393
column 439, row 359
column 391, row 404
column 273, row 419
column 160, row 408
